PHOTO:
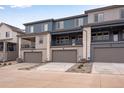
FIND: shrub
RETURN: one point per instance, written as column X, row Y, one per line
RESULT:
column 4, row 64
column 9, row 63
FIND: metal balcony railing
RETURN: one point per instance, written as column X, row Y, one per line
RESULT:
column 67, row 42
column 27, row 46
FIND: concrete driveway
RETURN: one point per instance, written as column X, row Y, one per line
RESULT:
column 55, row 67
column 108, row 68
column 43, row 79
column 18, row 66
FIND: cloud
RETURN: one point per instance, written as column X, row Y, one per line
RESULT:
column 1, row 8
column 20, row 6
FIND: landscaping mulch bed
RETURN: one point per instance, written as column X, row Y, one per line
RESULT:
column 32, row 67
column 2, row 64
column 81, row 68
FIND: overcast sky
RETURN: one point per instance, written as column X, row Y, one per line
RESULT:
column 18, row 15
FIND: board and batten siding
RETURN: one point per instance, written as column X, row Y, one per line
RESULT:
column 70, row 23
column 109, row 14
column 39, row 27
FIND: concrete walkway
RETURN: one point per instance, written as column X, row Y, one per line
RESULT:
column 62, row 67
column 108, row 68
column 42, row 79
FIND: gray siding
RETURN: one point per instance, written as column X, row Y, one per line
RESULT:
column 109, row 14
column 70, row 23
column 39, row 27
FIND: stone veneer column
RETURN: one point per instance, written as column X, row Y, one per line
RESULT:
column 19, row 41
column 48, row 46
column 4, row 51
column 86, row 42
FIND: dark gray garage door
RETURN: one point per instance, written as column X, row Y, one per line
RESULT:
column 64, row 55
column 109, row 54
column 33, row 57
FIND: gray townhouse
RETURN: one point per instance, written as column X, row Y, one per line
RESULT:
column 97, row 36
column 58, row 40
column 107, row 33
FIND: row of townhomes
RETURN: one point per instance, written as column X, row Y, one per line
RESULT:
column 95, row 36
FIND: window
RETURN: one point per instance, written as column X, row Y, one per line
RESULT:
column 100, row 36
column 60, row 25
column 11, row 47
column 41, row 40
column 122, row 13
column 99, row 17
column 123, row 34
column 7, row 34
column 31, row 29
column 105, row 35
column 79, row 22
column 45, row 27
column 62, row 40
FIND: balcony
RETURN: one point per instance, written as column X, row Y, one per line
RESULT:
column 26, row 46
column 28, row 43
column 66, row 42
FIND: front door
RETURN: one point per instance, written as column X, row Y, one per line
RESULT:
column 115, row 36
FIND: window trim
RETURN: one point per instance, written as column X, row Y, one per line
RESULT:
column 98, row 17
column 7, row 34
column 60, row 25
column 45, row 26
column 121, row 13
column 77, row 22
column 32, row 29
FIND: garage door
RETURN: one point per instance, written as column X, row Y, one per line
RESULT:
column 33, row 57
column 109, row 55
column 64, row 56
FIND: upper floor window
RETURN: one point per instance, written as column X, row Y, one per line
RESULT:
column 45, row 27
column 31, row 29
column 7, row 34
column 79, row 22
column 60, row 25
column 122, row 13
column 41, row 40
column 99, row 17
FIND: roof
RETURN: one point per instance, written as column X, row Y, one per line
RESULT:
column 70, row 17
column 33, row 34
column 103, row 8
column 13, row 28
column 59, row 19
column 106, row 23
column 40, row 21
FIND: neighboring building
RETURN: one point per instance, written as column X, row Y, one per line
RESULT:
column 96, row 35
column 9, row 42
column 107, row 33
